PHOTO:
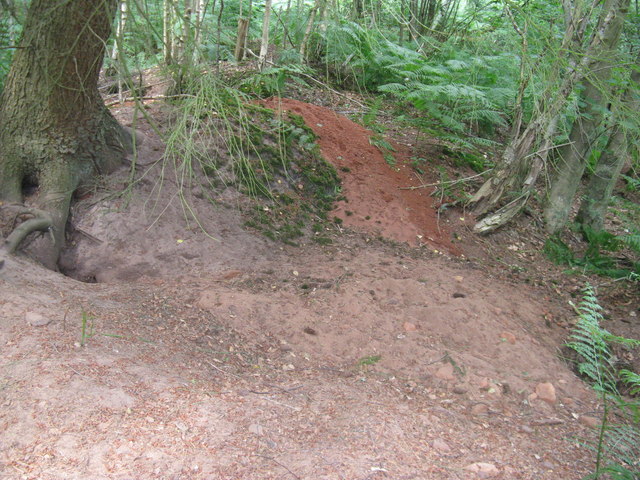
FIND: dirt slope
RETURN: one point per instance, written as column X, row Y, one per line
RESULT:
column 237, row 358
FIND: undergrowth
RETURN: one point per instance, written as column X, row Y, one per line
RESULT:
column 222, row 139
column 599, row 256
column 617, row 445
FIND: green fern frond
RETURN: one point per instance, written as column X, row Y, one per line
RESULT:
column 589, row 340
column 632, row 379
column 632, row 241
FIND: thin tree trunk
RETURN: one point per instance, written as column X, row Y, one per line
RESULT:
column 249, row 18
column 585, row 131
column 524, row 78
column 402, row 22
column 526, row 155
column 186, row 40
column 218, row 43
column 308, row 30
column 243, row 26
column 167, row 32
column 596, row 200
column 264, row 44
column 118, row 44
column 199, row 9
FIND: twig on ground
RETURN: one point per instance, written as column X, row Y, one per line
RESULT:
column 448, row 182
column 278, row 463
column 282, row 390
column 223, row 371
column 153, row 97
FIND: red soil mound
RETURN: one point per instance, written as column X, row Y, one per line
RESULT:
column 377, row 200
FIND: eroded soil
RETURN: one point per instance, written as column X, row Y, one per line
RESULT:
column 225, row 355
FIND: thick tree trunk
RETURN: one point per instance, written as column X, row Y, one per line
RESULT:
column 56, row 132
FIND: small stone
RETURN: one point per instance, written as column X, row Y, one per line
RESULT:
column 526, row 429
column 480, row 409
column 547, row 392
column 508, row 337
column 483, row 470
column 590, row 422
column 459, row 389
column 441, row 445
column 288, row 368
column 445, row 372
column 256, row 429
column 409, row 327
column 181, row 426
column 484, row 384
column 36, row 320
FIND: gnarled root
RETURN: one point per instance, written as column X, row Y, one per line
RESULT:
column 40, row 221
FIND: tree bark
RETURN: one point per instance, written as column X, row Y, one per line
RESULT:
column 586, row 129
column 307, row 32
column 596, row 200
column 167, row 32
column 514, row 177
column 56, row 132
column 243, row 26
column 264, row 44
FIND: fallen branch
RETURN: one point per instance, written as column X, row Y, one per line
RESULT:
column 153, row 97
column 448, row 182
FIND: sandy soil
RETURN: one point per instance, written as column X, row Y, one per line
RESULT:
column 237, row 358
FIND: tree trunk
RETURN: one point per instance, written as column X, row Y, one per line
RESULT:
column 514, row 177
column 243, row 26
column 199, row 9
column 586, row 129
column 358, row 9
column 264, row 44
column 56, row 132
column 307, row 32
column 167, row 32
column 246, row 38
column 118, row 45
column 596, row 200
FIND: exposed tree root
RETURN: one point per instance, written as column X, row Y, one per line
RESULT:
column 41, row 221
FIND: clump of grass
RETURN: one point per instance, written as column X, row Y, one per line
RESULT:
column 222, row 139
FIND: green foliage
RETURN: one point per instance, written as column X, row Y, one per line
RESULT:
column 222, row 139
column 271, row 81
column 461, row 95
column 597, row 257
column 86, row 328
column 633, row 184
column 617, row 446
column 369, row 360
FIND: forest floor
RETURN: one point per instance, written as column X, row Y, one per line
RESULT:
column 408, row 348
